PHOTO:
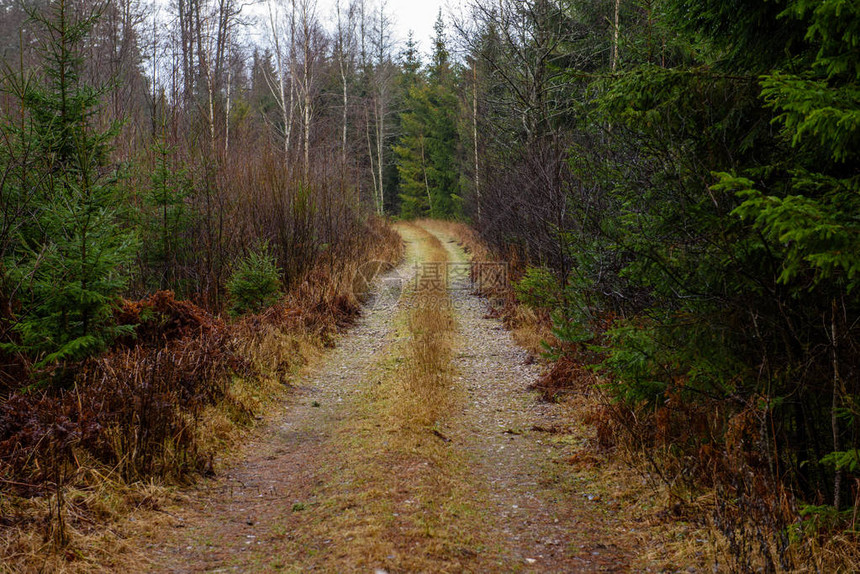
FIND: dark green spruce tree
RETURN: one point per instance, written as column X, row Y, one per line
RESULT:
column 807, row 212
column 166, row 220
column 71, row 263
column 410, row 150
column 427, row 150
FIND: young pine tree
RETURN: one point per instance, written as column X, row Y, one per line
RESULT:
column 255, row 282
column 72, row 262
column 166, row 220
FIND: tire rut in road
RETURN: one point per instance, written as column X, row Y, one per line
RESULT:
column 541, row 524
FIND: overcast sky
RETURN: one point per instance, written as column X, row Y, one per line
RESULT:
column 416, row 15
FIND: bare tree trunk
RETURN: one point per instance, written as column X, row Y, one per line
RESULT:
column 227, row 110
column 187, row 47
column 834, row 419
column 363, row 26
column 345, row 115
column 205, row 68
column 370, row 153
column 306, row 84
column 426, row 183
column 281, row 95
column 614, row 61
column 344, row 40
column 307, row 124
column 380, row 137
column 222, row 38
column 475, row 135
column 284, row 113
column 289, row 126
column 153, row 115
column 381, row 106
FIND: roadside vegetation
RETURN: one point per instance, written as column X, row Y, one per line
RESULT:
column 675, row 184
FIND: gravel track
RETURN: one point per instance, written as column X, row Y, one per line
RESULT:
column 252, row 519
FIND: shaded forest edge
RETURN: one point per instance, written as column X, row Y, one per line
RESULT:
column 675, row 184
column 703, row 520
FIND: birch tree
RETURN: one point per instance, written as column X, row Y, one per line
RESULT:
column 381, row 79
column 279, row 24
column 344, row 49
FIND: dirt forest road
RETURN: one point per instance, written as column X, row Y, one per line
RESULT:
column 344, row 479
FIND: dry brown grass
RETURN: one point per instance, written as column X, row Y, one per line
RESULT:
column 95, row 510
column 530, row 328
column 465, row 235
column 426, row 380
